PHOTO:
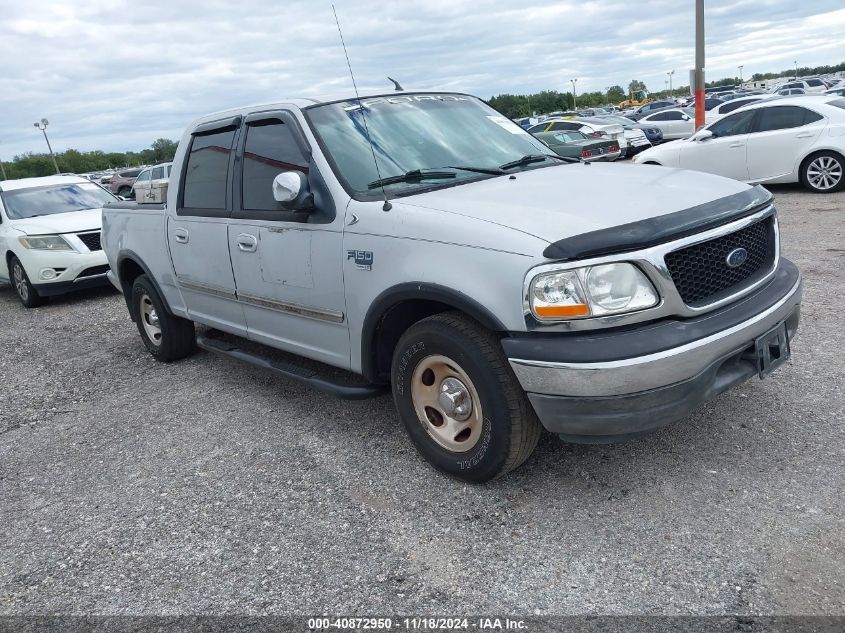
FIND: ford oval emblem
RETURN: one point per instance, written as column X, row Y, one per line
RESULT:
column 736, row 258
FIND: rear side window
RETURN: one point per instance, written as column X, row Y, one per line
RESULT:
column 785, row 117
column 132, row 173
column 838, row 103
column 158, row 172
column 666, row 116
column 736, row 105
column 270, row 150
column 207, row 171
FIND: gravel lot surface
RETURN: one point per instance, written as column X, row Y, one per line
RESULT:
column 206, row 486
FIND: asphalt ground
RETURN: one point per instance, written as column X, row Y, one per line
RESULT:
column 210, row 487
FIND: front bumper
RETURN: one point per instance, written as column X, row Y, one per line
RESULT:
column 596, row 385
column 75, row 271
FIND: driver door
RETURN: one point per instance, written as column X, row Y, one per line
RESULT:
column 725, row 154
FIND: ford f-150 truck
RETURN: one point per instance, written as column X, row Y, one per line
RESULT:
column 433, row 247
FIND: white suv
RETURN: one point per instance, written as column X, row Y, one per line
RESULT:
column 50, row 236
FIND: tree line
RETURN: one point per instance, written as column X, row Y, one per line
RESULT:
column 75, row 162
column 515, row 106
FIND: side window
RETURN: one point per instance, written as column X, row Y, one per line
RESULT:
column 144, row 176
column 667, row 116
column 784, row 118
column 735, row 105
column 158, row 173
column 569, row 126
column 558, row 126
column 208, row 170
column 270, row 150
column 739, row 123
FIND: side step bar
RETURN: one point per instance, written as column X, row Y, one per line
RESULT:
column 294, row 372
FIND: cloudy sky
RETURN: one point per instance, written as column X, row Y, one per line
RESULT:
column 116, row 75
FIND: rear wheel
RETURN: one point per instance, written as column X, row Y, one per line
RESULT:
column 459, row 399
column 23, row 288
column 167, row 337
column 823, row 172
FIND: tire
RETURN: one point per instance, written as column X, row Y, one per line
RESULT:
column 823, row 172
column 475, row 443
column 167, row 337
column 23, row 288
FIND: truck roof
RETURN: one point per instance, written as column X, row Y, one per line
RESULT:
column 26, row 183
column 304, row 102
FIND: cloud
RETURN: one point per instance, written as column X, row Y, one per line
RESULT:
column 116, row 75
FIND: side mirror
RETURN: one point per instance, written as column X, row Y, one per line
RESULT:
column 685, row 117
column 290, row 189
column 703, row 135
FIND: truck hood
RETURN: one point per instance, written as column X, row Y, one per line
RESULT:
column 553, row 203
column 74, row 222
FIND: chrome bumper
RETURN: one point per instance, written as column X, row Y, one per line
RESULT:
column 652, row 371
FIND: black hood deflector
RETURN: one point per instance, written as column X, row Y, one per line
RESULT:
column 664, row 228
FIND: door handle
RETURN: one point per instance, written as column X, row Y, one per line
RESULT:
column 181, row 235
column 247, row 243
column 804, row 135
column 735, row 145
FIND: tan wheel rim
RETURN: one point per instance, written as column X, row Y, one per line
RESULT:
column 446, row 403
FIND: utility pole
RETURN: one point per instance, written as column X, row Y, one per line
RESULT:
column 42, row 125
column 699, row 63
column 574, row 97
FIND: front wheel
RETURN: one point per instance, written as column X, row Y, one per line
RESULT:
column 23, row 288
column 167, row 337
column 459, row 399
column 823, row 172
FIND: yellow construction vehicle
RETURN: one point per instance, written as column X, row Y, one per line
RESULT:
column 635, row 101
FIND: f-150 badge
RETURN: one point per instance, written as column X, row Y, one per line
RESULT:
column 362, row 259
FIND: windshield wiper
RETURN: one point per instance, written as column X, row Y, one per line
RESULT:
column 493, row 171
column 535, row 158
column 415, row 175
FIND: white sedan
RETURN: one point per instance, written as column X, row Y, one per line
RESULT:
column 50, row 232
column 729, row 106
column 675, row 123
column 781, row 140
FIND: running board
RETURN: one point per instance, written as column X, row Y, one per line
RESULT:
column 304, row 375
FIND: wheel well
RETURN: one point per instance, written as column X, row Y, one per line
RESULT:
column 651, row 162
column 816, row 153
column 391, row 326
column 381, row 333
column 127, row 272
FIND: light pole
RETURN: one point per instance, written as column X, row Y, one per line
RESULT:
column 42, row 125
column 574, row 97
column 796, row 69
column 3, row 169
column 699, row 64
column 669, row 74
column 607, row 91
column 740, row 73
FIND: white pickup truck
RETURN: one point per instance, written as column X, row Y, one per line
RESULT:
column 430, row 246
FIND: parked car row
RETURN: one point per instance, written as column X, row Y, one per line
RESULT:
column 775, row 140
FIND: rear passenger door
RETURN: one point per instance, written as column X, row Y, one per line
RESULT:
column 781, row 137
column 288, row 264
column 198, row 235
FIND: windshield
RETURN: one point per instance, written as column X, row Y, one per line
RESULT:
column 419, row 132
column 52, row 199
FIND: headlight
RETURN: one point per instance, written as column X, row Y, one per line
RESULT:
column 595, row 291
column 45, row 242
